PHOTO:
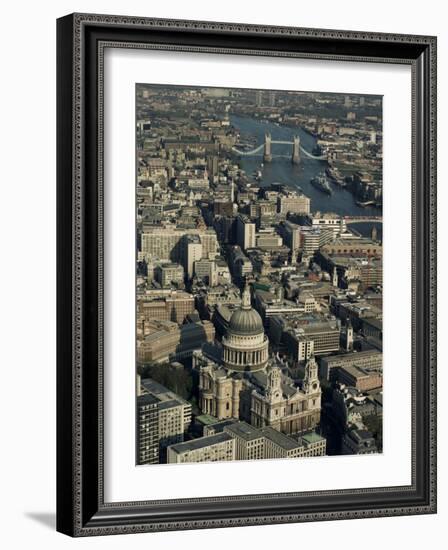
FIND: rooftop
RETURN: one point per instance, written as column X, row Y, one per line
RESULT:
column 206, row 419
column 244, row 431
column 312, row 437
column 280, row 439
column 161, row 392
column 200, row 443
column 170, row 404
column 219, row 425
column 351, row 356
column 147, row 399
column 356, row 372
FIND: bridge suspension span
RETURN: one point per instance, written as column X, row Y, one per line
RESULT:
column 264, row 150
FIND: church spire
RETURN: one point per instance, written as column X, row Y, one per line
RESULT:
column 335, row 277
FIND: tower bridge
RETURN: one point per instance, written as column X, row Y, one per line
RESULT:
column 265, row 150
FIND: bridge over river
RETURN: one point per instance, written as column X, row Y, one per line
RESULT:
column 363, row 219
column 294, row 170
column 265, row 150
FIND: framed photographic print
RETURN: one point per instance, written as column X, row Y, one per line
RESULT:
column 246, row 275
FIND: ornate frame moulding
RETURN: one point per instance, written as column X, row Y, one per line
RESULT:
column 81, row 40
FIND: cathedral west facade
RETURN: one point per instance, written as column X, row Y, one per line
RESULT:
column 242, row 381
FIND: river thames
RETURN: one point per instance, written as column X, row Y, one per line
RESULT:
column 282, row 170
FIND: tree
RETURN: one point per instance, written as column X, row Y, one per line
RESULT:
column 175, row 379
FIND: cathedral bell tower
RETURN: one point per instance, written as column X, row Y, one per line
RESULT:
column 311, row 381
column 274, row 384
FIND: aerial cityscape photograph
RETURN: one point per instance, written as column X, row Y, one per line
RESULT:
column 258, row 274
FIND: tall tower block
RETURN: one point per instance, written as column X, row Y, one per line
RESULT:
column 267, row 156
column 296, row 150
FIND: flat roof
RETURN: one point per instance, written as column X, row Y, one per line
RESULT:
column 206, row 419
column 170, row 404
column 355, row 371
column 312, row 437
column 161, row 392
column 244, row 430
column 280, row 438
column 352, row 356
column 221, row 424
column 200, row 443
column 147, row 399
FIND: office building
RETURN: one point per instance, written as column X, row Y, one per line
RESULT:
column 147, row 441
column 165, row 243
column 165, row 305
column 240, row 264
column 260, row 443
column 353, row 246
column 291, row 234
column 214, row 448
column 169, row 274
column 173, row 416
column 307, row 334
column 268, row 241
column 312, row 239
column 331, row 222
column 207, row 271
column 364, row 268
column 359, row 378
column 293, row 203
column 166, row 340
column 262, row 208
column 245, row 232
column 193, row 253
column 150, row 386
column 369, row 360
column 270, row 303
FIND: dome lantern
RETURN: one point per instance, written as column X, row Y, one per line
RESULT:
column 245, row 298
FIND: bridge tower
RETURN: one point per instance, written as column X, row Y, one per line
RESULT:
column 267, row 156
column 296, row 150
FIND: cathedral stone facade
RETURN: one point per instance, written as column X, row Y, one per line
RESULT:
column 286, row 407
column 247, row 384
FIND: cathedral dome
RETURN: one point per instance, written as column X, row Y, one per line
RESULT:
column 246, row 321
column 245, row 346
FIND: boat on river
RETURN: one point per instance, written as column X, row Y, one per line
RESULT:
column 334, row 176
column 321, row 182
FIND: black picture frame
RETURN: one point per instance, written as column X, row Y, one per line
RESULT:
column 81, row 510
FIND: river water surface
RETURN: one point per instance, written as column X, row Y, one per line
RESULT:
column 282, row 170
